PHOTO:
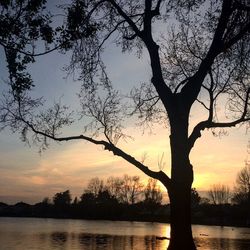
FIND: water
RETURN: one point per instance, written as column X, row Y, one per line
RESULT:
column 65, row 234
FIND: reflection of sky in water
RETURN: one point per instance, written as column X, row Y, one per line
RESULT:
column 50, row 234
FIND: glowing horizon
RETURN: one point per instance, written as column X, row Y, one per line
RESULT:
column 71, row 165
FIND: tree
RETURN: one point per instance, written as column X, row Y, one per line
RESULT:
column 95, row 186
column 87, row 198
column 62, row 199
column 242, row 189
column 46, row 201
column 219, row 194
column 75, row 202
column 114, row 186
column 152, row 193
column 131, row 189
column 195, row 198
column 203, row 60
column 106, row 198
column 23, row 23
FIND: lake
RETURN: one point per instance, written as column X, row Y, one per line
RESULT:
column 67, row 234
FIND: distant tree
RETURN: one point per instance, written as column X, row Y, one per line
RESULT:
column 95, row 186
column 62, row 199
column 195, row 198
column 46, row 201
column 152, row 192
column 131, row 189
column 242, row 189
column 106, row 198
column 114, row 186
column 203, row 59
column 219, row 194
column 87, row 198
column 75, row 202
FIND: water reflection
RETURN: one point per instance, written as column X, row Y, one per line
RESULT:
column 126, row 242
column 50, row 234
column 222, row 244
column 99, row 242
column 59, row 238
column 107, row 242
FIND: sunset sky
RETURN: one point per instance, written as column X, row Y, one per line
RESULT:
column 28, row 176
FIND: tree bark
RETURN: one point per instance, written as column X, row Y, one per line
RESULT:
column 180, row 218
column 179, row 191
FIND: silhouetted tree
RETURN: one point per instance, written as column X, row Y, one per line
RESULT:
column 105, row 197
column 46, row 201
column 95, row 186
column 87, row 198
column 115, row 187
column 219, row 194
column 241, row 194
column 131, row 189
column 75, row 202
column 202, row 60
column 195, row 198
column 152, row 192
column 62, row 199
column 242, row 189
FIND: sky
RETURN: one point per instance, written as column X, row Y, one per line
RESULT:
column 26, row 175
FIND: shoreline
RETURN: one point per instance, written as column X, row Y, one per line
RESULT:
column 122, row 220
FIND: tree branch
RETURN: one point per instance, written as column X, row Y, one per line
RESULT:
column 196, row 133
column 29, row 53
column 191, row 90
column 160, row 175
column 211, row 96
column 162, row 89
column 126, row 17
column 156, row 11
column 206, row 124
column 237, row 37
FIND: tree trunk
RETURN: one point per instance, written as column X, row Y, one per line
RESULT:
column 180, row 219
column 179, row 190
column 180, row 203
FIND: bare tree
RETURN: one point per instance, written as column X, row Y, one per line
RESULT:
column 131, row 189
column 202, row 59
column 219, row 194
column 126, row 189
column 242, row 189
column 115, row 185
column 152, row 192
column 95, row 186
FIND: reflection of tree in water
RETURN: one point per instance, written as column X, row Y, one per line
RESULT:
column 123, row 242
column 59, row 238
column 222, row 243
column 87, row 241
column 94, row 241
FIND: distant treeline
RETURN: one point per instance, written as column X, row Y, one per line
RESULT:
column 127, row 198
column 117, row 198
